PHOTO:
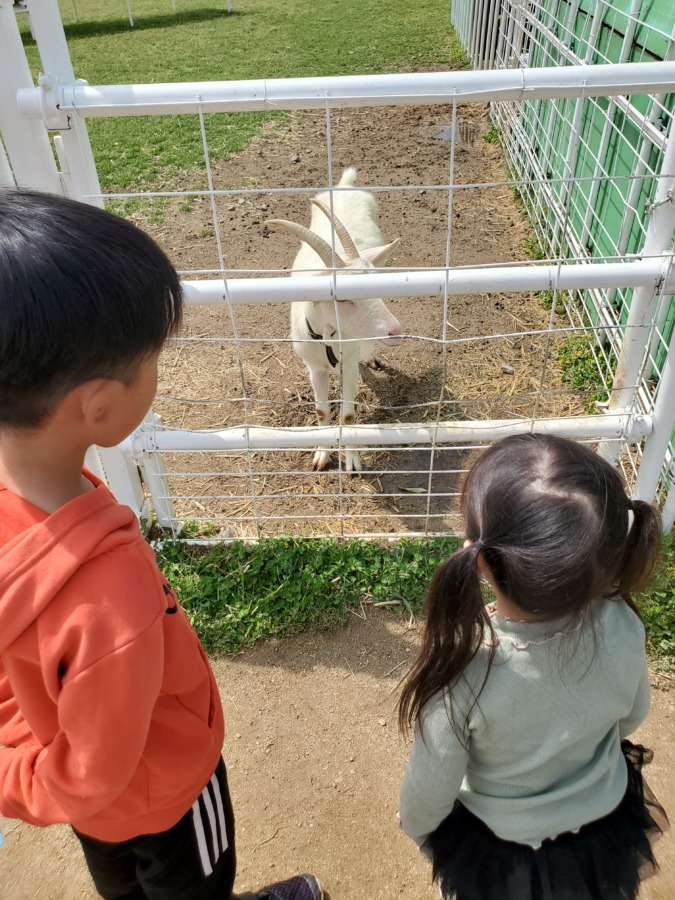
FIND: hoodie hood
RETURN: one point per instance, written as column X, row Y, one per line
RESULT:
column 48, row 549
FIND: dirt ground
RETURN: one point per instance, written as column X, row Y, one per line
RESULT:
column 314, row 762
column 208, row 381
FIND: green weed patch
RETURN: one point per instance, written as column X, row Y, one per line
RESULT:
column 657, row 606
column 237, row 594
column 584, row 369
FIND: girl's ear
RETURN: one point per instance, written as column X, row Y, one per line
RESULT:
column 483, row 568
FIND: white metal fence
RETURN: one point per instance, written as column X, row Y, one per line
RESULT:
column 587, row 168
column 231, row 451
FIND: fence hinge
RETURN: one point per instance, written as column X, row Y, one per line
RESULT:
column 669, row 198
column 143, row 443
column 44, row 102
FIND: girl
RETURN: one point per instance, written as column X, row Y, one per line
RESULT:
column 520, row 785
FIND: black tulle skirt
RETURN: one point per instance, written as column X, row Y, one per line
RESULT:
column 605, row 860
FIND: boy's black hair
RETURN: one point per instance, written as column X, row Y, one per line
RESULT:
column 83, row 294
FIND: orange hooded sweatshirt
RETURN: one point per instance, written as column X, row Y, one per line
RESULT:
column 110, row 718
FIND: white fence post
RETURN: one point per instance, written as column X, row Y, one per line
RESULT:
column 637, row 331
column 668, row 511
column 27, row 142
column 81, row 182
column 656, row 444
column 6, row 174
column 154, row 471
column 58, row 70
column 119, row 470
column 121, row 474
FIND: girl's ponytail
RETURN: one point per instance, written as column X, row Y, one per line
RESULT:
column 641, row 551
column 455, row 626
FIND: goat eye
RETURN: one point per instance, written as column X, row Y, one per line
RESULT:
column 345, row 301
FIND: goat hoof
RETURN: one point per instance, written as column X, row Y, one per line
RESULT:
column 353, row 463
column 321, row 460
column 374, row 364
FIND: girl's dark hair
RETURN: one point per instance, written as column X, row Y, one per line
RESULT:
column 83, row 294
column 553, row 523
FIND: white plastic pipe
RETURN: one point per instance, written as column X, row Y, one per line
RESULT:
column 355, row 90
column 658, row 240
column 58, row 68
column 283, row 289
column 668, row 511
column 618, row 427
column 663, row 417
column 26, row 142
column 6, row 175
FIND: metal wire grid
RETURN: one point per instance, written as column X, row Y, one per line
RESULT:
column 248, row 517
column 561, row 30
column 233, row 494
column 635, row 128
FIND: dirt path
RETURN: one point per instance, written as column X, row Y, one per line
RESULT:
column 314, row 764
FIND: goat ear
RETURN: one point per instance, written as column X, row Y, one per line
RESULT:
column 378, row 256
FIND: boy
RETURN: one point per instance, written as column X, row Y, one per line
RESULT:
column 110, row 717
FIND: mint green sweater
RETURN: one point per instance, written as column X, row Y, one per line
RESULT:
column 542, row 752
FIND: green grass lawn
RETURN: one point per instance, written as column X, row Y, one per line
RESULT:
column 258, row 39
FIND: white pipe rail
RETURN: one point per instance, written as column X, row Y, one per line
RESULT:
column 253, row 437
column 648, row 273
column 343, row 91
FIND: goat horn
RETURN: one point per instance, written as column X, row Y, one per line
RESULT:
column 324, row 250
column 349, row 245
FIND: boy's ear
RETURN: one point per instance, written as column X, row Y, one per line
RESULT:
column 94, row 400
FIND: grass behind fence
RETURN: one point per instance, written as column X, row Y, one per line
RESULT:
column 258, row 39
column 237, row 594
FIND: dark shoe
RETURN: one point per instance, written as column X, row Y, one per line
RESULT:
column 300, row 887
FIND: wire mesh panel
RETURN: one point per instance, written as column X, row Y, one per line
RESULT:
column 490, row 330
column 588, row 166
column 493, row 355
column 463, row 357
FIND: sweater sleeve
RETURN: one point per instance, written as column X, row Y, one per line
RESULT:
column 434, row 775
column 640, row 709
column 104, row 715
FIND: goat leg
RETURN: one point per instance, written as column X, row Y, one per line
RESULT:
column 350, row 385
column 320, row 380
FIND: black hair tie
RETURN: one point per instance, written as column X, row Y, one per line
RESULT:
column 479, row 545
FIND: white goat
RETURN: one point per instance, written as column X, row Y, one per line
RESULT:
column 359, row 246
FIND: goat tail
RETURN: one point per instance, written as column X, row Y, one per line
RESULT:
column 348, row 177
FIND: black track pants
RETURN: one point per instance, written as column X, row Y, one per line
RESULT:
column 193, row 860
